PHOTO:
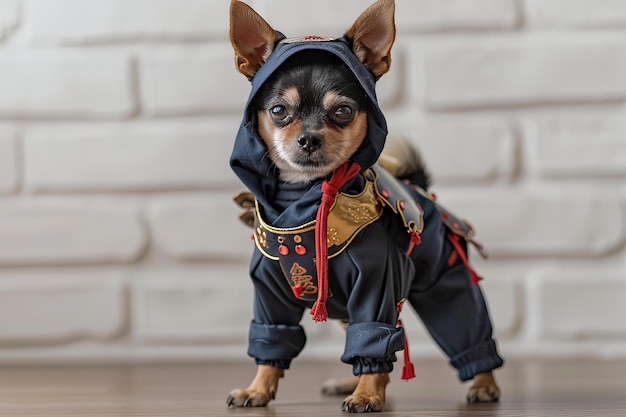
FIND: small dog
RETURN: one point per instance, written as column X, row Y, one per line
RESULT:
column 337, row 233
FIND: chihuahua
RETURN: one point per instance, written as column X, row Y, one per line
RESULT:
column 340, row 228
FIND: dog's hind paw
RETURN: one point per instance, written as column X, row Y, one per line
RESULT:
column 484, row 389
column 360, row 404
column 344, row 386
column 248, row 398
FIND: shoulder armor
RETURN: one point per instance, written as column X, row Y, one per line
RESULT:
column 395, row 196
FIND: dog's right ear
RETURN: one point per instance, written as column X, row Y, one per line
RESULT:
column 372, row 36
column 253, row 39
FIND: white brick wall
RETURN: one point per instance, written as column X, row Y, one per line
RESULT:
column 65, row 84
column 96, row 21
column 577, row 13
column 8, row 161
column 118, row 239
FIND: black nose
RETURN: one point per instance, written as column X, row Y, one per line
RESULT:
column 310, row 142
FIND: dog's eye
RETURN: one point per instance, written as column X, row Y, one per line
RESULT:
column 343, row 114
column 279, row 113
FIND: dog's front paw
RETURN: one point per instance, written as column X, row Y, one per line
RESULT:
column 369, row 395
column 484, row 389
column 249, row 398
column 362, row 404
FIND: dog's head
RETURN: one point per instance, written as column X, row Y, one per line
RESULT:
column 312, row 110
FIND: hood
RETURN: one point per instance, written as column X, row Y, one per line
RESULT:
column 249, row 159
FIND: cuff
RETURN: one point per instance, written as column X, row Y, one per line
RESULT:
column 481, row 358
column 371, row 347
column 275, row 344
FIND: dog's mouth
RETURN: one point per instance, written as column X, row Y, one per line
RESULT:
column 310, row 160
column 307, row 164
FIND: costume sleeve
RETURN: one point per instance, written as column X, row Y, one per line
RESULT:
column 372, row 337
column 449, row 301
column 275, row 336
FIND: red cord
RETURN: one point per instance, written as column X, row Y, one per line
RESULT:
column 330, row 188
column 454, row 239
column 415, row 239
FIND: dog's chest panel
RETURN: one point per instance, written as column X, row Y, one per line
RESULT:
column 294, row 248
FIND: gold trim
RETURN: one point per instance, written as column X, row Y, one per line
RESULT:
column 283, row 231
column 348, row 215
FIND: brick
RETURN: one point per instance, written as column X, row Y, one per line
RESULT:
column 62, row 84
column 435, row 15
column 302, row 18
column 8, row 163
column 576, row 13
column 330, row 18
column 578, row 147
column 60, row 307
column 201, row 229
column 95, row 21
column 192, row 83
column 509, row 75
column 128, row 157
column 192, row 304
column 9, row 15
column 485, row 153
column 49, row 234
column 518, row 223
column 582, row 306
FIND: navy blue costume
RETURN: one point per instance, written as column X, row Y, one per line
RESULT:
column 370, row 272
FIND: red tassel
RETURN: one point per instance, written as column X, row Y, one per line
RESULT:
column 408, row 370
column 330, row 188
column 318, row 311
column 454, row 239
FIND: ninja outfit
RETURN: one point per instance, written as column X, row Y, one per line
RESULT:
column 387, row 241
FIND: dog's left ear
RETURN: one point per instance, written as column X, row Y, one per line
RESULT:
column 253, row 39
column 372, row 36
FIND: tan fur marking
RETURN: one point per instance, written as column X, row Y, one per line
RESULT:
column 291, row 96
column 332, row 99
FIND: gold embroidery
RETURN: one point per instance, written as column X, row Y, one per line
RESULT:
column 261, row 237
column 332, row 237
column 299, row 277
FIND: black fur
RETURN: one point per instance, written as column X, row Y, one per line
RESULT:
column 313, row 74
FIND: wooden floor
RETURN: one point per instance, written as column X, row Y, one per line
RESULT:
column 530, row 388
